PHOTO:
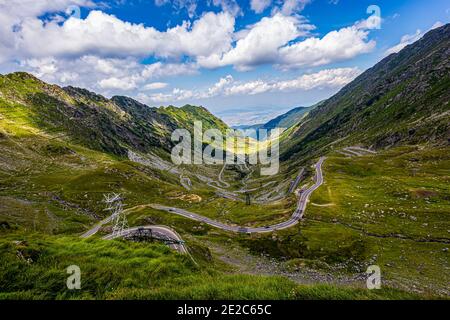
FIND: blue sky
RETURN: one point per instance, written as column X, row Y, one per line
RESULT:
column 246, row 61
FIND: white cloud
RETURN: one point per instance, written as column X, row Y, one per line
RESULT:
column 260, row 44
column 104, row 75
column 218, row 87
column 14, row 12
column 230, row 6
column 106, row 35
column 436, row 25
column 154, row 86
column 175, row 95
column 331, row 78
column 117, row 83
column 18, row 9
column 404, row 41
column 293, row 6
column 103, row 53
column 408, row 39
column 227, row 86
column 160, row 3
column 260, row 5
column 328, row 78
column 210, row 41
column 337, row 45
column 42, row 67
column 160, row 70
column 268, row 42
column 189, row 5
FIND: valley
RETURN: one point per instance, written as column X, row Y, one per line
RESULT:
column 364, row 180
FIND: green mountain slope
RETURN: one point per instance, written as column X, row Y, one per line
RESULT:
column 401, row 100
column 111, row 125
column 63, row 149
column 287, row 119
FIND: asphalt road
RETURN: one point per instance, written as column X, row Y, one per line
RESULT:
column 185, row 182
column 295, row 183
column 296, row 216
column 97, row 227
column 358, row 151
column 161, row 232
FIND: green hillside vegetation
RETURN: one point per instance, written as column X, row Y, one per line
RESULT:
column 63, row 149
column 34, row 267
column 112, row 126
column 402, row 99
column 288, row 119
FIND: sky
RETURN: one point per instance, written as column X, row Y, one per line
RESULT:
column 245, row 61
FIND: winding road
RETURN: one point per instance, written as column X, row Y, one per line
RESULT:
column 162, row 232
column 356, row 151
column 177, row 243
column 185, row 182
column 295, row 183
column 296, row 216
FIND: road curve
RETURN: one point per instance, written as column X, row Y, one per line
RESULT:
column 96, row 228
column 295, row 183
column 162, row 232
column 296, row 216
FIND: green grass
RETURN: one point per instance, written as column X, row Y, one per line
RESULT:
column 33, row 266
column 51, row 190
column 56, row 187
column 392, row 209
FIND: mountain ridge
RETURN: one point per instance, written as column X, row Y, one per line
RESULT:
column 112, row 125
column 402, row 99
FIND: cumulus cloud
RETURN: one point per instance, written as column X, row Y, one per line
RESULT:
column 209, row 41
column 286, row 7
column 230, row 6
column 41, row 67
column 332, row 78
column 18, row 9
column 106, row 35
column 272, row 41
column 154, row 86
column 337, row 45
column 227, row 86
column 404, row 41
column 408, row 39
column 104, row 53
column 106, row 75
column 260, row 43
column 293, row 6
column 260, row 5
column 328, row 78
column 175, row 95
column 117, row 83
column 189, row 5
column 160, row 70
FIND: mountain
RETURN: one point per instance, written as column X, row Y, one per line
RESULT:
column 111, row 125
column 401, row 100
column 63, row 149
column 285, row 120
column 248, row 126
column 288, row 119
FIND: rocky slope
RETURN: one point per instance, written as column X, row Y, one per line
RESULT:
column 404, row 99
column 111, row 125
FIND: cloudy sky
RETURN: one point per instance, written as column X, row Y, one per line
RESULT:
column 246, row 61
